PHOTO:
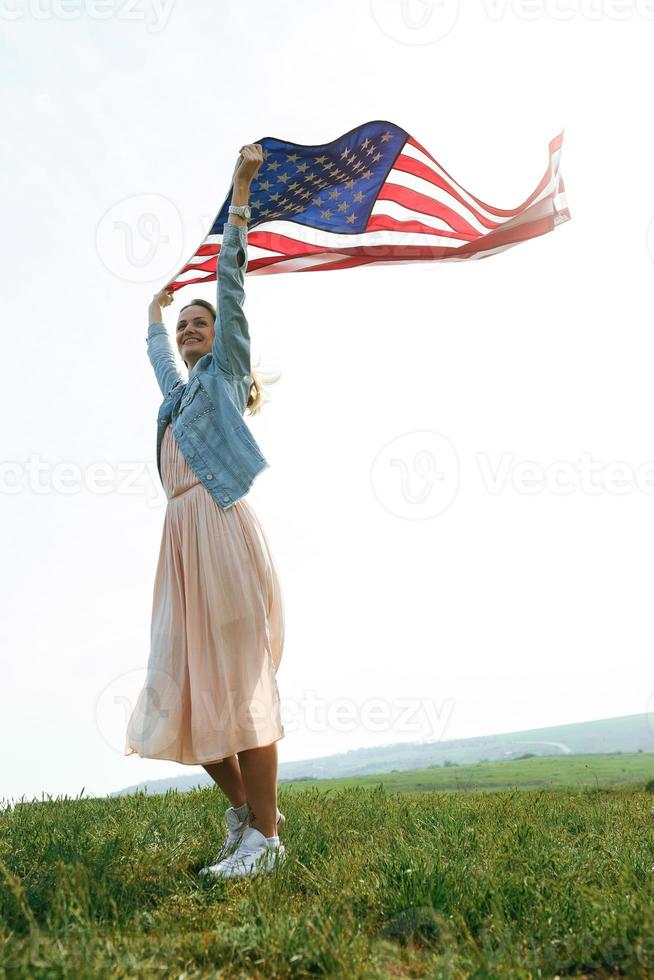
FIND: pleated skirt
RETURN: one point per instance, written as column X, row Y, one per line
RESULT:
column 217, row 629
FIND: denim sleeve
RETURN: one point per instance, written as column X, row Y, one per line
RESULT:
column 162, row 358
column 231, row 346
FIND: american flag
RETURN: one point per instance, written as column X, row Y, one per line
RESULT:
column 373, row 195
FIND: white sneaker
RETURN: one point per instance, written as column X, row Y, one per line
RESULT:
column 254, row 854
column 237, row 819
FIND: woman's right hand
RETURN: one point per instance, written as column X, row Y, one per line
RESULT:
column 159, row 300
column 162, row 298
column 247, row 166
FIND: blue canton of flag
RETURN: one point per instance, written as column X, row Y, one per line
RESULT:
column 332, row 186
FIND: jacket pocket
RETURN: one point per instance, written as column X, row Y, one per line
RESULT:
column 246, row 437
column 195, row 401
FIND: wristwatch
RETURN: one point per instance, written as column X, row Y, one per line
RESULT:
column 242, row 210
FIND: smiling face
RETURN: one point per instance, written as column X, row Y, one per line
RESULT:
column 194, row 334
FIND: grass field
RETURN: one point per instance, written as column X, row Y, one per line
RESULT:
column 511, row 883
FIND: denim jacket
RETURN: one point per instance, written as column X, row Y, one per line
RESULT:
column 206, row 411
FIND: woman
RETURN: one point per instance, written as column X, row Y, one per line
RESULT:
column 211, row 697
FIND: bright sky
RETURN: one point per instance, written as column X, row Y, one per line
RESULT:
column 518, row 605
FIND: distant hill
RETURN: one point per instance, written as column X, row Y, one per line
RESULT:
column 629, row 733
column 527, row 772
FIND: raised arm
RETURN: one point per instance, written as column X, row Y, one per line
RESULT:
column 160, row 349
column 231, row 345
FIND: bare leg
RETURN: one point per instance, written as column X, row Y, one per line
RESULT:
column 259, row 772
column 227, row 774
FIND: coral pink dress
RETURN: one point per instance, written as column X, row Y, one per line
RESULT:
column 217, row 631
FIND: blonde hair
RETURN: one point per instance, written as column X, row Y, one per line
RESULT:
column 260, row 379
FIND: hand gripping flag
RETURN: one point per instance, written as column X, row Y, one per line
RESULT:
column 372, row 195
